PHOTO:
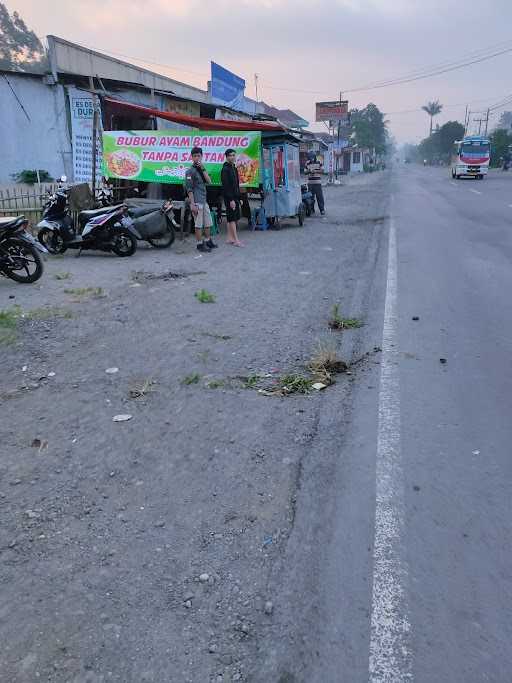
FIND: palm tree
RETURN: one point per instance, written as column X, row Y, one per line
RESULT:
column 433, row 109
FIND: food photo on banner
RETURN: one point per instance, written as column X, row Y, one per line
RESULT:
column 164, row 156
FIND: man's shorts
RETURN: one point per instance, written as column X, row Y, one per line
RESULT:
column 233, row 215
column 203, row 218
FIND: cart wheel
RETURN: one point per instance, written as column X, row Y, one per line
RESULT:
column 302, row 211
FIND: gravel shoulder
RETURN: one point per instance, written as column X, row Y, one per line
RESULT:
column 158, row 549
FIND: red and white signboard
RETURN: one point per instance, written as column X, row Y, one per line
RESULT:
column 332, row 111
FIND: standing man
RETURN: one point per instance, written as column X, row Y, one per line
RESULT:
column 231, row 192
column 196, row 180
column 313, row 171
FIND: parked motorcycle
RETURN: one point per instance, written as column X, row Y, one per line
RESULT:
column 19, row 251
column 154, row 223
column 105, row 229
column 307, row 199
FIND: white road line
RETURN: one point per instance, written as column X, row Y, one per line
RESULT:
column 390, row 658
column 475, row 192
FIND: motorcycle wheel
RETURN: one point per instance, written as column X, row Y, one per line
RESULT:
column 52, row 241
column 165, row 240
column 24, row 258
column 124, row 244
column 301, row 215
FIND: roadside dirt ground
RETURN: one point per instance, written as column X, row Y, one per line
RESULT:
column 151, row 549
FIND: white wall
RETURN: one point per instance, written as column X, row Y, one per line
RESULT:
column 41, row 142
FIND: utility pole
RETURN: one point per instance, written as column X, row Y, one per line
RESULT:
column 466, row 119
column 256, row 89
column 487, row 121
column 338, row 149
column 479, row 121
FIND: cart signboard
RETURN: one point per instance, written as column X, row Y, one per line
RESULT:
column 332, row 111
column 163, row 156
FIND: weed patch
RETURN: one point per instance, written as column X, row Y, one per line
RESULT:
column 216, row 384
column 324, row 363
column 194, row 378
column 337, row 322
column 8, row 324
column 62, row 276
column 205, row 297
column 93, row 292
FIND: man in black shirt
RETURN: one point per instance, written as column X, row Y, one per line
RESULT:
column 231, row 192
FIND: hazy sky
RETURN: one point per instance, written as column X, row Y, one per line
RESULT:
column 316, row 46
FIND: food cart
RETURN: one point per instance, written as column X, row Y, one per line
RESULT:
column 267, row 157
column 280, row 177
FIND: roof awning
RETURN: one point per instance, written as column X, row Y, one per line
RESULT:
column 198, row 121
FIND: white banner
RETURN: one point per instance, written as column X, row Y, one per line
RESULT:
column 81, row 105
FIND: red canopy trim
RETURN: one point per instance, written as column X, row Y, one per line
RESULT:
column 198, row 121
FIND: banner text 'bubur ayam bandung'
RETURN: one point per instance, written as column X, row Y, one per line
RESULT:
column 164, row 156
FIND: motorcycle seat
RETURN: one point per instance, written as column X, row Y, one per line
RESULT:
column 140, row 211
column 8, row 221
column 91, row 213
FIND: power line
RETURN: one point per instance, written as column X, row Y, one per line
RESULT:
column 420, row 75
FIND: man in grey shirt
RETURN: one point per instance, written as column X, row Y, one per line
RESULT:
column 196, row 180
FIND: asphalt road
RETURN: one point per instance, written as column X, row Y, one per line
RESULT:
column 411, row 579
column 359, row 534
column 454, row 273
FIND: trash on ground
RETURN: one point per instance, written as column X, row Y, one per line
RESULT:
column 121, row 418
column 111, row 371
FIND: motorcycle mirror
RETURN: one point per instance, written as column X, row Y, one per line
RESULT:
column 63, row 179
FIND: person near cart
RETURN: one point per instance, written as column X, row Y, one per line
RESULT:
column 231, row 192
column 313, row 170
column 196, row 180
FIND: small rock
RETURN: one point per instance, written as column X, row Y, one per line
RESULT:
column 416, row 487
column 24, row 368
column 15, row 482
column 160, row 523
column 415, row 317
column 244, row 628
column 204, row 578
column 212, row 649
column 31, row 514
column 111, row 371
column 227, row 660
column 188, row 596
column 269, row 607
column 121, row 418
column 443, row 360
column 12, row 543
column 51, row 374
column 188, row 604
column 319, row 386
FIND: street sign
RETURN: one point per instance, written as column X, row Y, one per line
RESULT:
column 332, row 111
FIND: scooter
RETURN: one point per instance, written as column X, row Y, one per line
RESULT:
column 307, row 199
column 106, row 229
column 19, row 251
column 155, row 225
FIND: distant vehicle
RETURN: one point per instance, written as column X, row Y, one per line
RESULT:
column 471, row 157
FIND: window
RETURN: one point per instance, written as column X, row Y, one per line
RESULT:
column 356, row 158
